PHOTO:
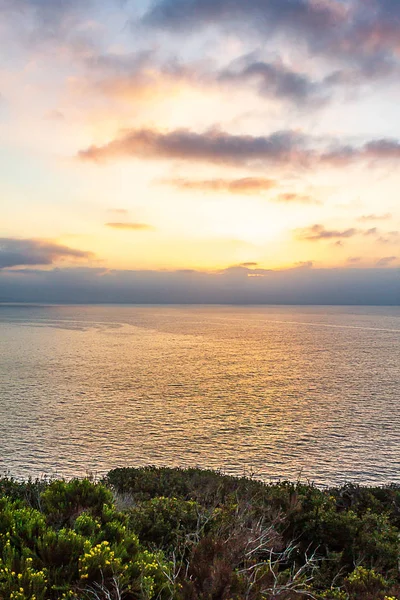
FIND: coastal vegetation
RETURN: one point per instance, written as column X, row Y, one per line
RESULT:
column 160, row 533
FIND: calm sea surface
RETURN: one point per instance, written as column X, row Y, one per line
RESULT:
column 280, row 392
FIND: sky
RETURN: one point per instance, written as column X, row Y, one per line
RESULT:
column 200, row 150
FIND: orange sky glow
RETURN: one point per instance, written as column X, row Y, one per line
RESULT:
column 180, row 135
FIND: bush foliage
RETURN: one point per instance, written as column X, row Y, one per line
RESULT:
column 160, row 533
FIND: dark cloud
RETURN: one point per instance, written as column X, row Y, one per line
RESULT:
column 212, row 146
column 134, row 73
column 245, row 185
column 301, row 285
column 375, row 29
column 303, row 16
column 365, row 33
column 318, row 232
column 282, row 147
column 384, row 148
column 276, row 80
column 23, row 252
column 130, row 226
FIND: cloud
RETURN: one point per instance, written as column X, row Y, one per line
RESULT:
column 305, row 264
column 148, row 75
column 24, row 252
column 386, row 261
column 389, row 237
column 318, row 232
column 132, row 63
column 245, row 185
column 365, row 218
column 301, row 285
column 290, row 197
column 383, row 148
column 118, row 211
column 288, row 147
column 41, row 20
column 364, row 33
column 131, row 226
column 297, row 15
column 211, row 146
column 140, row 75
column 276, row 80
column 371, row 231
column 54, row 115
column 46, row 10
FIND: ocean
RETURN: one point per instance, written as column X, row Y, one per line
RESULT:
column 276, row 392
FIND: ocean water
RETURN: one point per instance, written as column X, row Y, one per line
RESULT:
column 310, row 393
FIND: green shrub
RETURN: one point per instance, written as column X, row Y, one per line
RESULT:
column 196, row 535
column 87, row 525
column 165, row 521
column 77, row 542
column 64, row 501
column 362, row 583
column 27, row 491
column 98, row 562
column 26, row 582
column 210, row 488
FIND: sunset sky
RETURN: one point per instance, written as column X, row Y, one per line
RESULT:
column 199, row 135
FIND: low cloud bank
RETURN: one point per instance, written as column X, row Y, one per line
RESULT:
column 237, row 285
column 15, row 252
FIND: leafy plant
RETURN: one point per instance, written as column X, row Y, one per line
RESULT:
column 175, row 534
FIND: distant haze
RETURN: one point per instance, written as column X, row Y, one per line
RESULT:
column 238, row 285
